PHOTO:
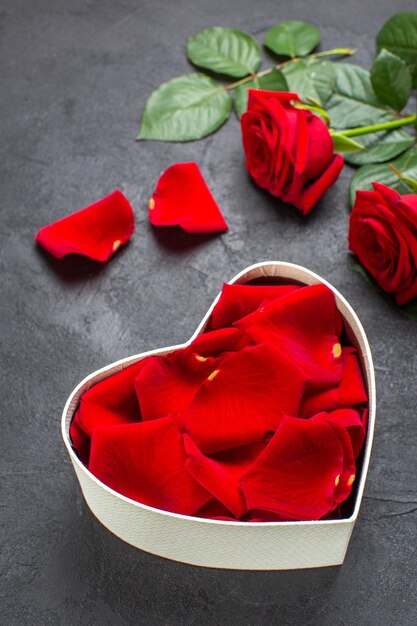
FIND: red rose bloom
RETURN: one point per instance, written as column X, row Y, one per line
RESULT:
column 289, row 151
column 383, row 235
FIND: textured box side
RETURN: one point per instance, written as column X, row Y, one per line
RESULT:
column 212, row 544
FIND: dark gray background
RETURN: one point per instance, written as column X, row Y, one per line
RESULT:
column 74, row 78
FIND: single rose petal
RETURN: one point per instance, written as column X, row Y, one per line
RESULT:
column 219, row 473
column 166, row 385
column 243, row 398
column 97, row 231
column 146, row 462
column 304, row 325
column 339, row 423
column 182, row 198
column 349, row 391
column 111, row 401
column 351, row 421
column 320, row 147
column 310, row 195
column 297, row 474
column 220, row 340
column 237, row 301
column 215, row 510
column 214, row 478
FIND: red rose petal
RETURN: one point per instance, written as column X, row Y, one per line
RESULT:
column 220, row 340
column 214, row 478
column 80, row 441
column 182, row 198
column 220, row 472
column 237, row 301
column 320, row 147
column 347, row 476
column 166, row 384
column 310, row 195
column 296, row 150
column 215, row 510
column 111, row 401
column 304, row 324
column 260, row 100
column 349, row 391
column 96, row 232
column 243, row 398
column 146, row 462
column 350, row 420
column 296, row 475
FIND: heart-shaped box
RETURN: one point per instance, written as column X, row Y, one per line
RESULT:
column 223, row 544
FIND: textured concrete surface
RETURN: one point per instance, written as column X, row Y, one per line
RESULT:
column 75, row 76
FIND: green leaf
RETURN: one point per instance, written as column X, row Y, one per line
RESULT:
column 353, row 102
column 399, row 36
column 225, row 51
column 391, row 80
column 185, row 108
column 292, row 38
column 363, row 178
column 409, row 309
column 311, row 79
column 381, row 147
column 345, row 144
column 274, row 81
column 411, row 182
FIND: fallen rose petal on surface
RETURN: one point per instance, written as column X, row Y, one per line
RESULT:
column 96, row 232
column 182, row 198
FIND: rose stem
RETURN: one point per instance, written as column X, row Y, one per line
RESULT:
column 315, row 55
column 364, row 130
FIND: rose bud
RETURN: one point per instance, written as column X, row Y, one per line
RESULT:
column 383, row 235
column 289, row 151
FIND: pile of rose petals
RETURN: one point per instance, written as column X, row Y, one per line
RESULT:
column 261, row 418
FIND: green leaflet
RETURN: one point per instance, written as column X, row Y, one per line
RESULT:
column 381, row 147
column 399, row 36
column 274, row 81
column 391, row 80
column 185, row 108
column 292, row 38
column 406, row 164
column 345, row 144
column 353, row 102
column 311, row 79
column 225, row 51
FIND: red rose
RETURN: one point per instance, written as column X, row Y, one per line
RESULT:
column 289, row 151
column 383, row 235
column 260, row 418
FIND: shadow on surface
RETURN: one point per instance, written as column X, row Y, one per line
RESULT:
column 75, row 267
column 176, row 240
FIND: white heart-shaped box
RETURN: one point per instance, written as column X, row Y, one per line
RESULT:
column 213, row 543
